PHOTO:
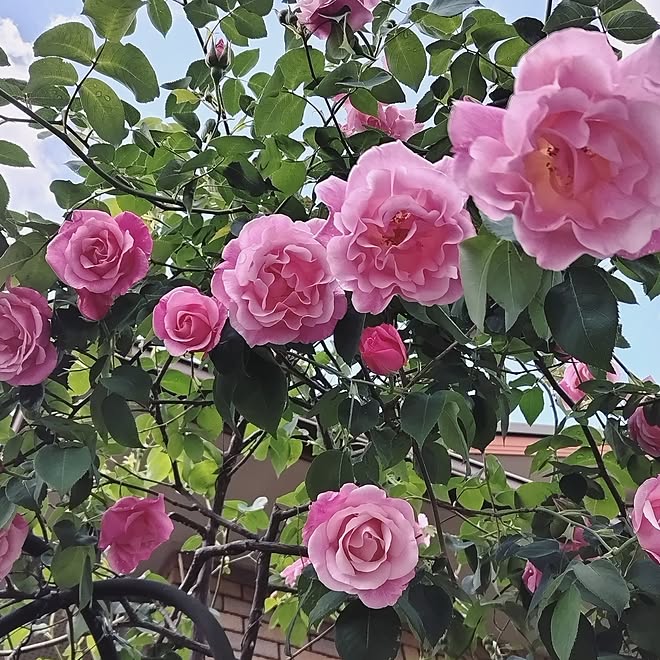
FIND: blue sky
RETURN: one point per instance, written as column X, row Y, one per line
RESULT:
column 21, row 21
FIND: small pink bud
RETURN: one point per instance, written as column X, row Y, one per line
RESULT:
column 219, row 55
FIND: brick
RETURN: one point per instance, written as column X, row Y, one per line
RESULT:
column 230, row 621
column 325, row 646
column 229, row 588
column 273, row 634
column 248, row 592
column 235, row 639
column 269, row 649
column 235, row 606
column 310, row 655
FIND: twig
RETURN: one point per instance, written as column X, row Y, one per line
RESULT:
column 311, row 642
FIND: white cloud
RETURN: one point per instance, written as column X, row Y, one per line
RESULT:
column 60, row 19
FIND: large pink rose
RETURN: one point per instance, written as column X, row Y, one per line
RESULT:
column 382, row 349
column 12, row 538
column 399, row 221
column 363, row 542
column 317, row 15
column 575, row 374
column 133, row 528
column 574, row 158
column 646, row 517
column 187, row 320
column 531, row 577
column 276, row 283
column 645, row 434
column 100, row 257
column 27, row 356
column 397, row 122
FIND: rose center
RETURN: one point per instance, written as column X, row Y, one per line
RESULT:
column 398, row 228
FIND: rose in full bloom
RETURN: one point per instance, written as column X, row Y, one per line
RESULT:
column 101, row 257
column 276, row 283
column 293, row 571
column 574, row 158
column 397, row 122
column 363, row 542
column 382, row 349
column 531, row 577
column 646, row 517
column 318, row 16
column 645, row 434
column 27, row 356
column 575, row 374
column 398, row 222
column 12, row 538
column 187, row 320
column 132, row 529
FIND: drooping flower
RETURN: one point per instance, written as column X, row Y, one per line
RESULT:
column 577, row 373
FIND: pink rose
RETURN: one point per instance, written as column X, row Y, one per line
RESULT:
column 100, row 257
column 646, row 517
column 645, row 434
column 27, row 356
column 276, row 283
column 382, row 350
column 133, row 528
column 575, row 374
column 531, row 577
column 317, row 15
column 573, row 158
column 397, row 122
column 293, row 571
column 12, row 538
column 363, row 542
column 399, row 221
column 187, row 320
column 577, row 542
column 219, row 55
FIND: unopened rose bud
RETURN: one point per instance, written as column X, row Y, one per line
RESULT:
column 287, row 17
column 219, row 55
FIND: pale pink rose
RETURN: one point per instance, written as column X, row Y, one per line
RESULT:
column 276, row 283
column 399, row 221
column 575, row 374
column 382, row 349
column 645, row 434
column 577, row 542
column 27, row 356
column 646, row 517
column 426, row 531
column 132, row 529
column 293, row 571
column 363, row 542
column 187, row 320
column 573, row 158
column 100, row 257
column 531, row 577
column 317, row 15
column 12, row 538
column 398, row 123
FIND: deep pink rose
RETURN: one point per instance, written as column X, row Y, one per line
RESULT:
column 397, row 122
column 317, row 15
column 646, row 517
column 12, row 538
column 645, row 434
column 363, row 542
column 220, row 48
column 133, row 528
column 27, row 356
column 100, row 257
column 293, row 571
column 276, row 283
column 575, row 374
column 187, row 320
column 382, row 349
column 399, row 220
column 577, row 542
column 574, row 158
column 531, row 577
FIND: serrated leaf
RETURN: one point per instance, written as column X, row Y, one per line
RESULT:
column 329, row 471
column 73, row 41
column 60, row 467
column 602, row 579
column 51, row 71
column 119, row 421
column 200, row 12
column 104, row 110
column 160, row 15
column 128, row 64
column 452, row 7
column 278, row 114
column 111, row 18
column 420, row 413
column 569, row 14
column 365, row 634
column 631, row 26
column 406, row 57
column 13, row 155
column 466, row 75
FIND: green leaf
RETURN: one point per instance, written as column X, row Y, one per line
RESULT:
column 466, row 76
column 111, row 18
column 569, row 14
column 13, row 155
column 602, row 580
column 356, row 417
column 406, row 57
column 564, row 623
column 325, row 606
column 289, row 177
column 631, row 26
column 51, row 71
column 160, row 15
column 437, row 462
column 68, row 194
column 104, row 110
column 232, row 91
column 476, row 255
column 69, row 565
column 4, row 195
column 13, row 259
column 329, row 471
column 4, row 60
column 583, row 315
column 61, row 467
column 7, row 510
column 201, row 12
column 452, row 7
column 429, row 611
column 420, row 413
column 73, row 41
column 249, row 25
column 128, row 64
column 245, row 62
column 513, row 280
column 364, row 634
column 531, row 404
column 278, row 114
column 347, row 334
column 259, row 7
column 487, row 36
column 245, row 176
column 295, row 67
column 120, row 422
column 86, row 586
column 611, row 5
column 129, row 382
